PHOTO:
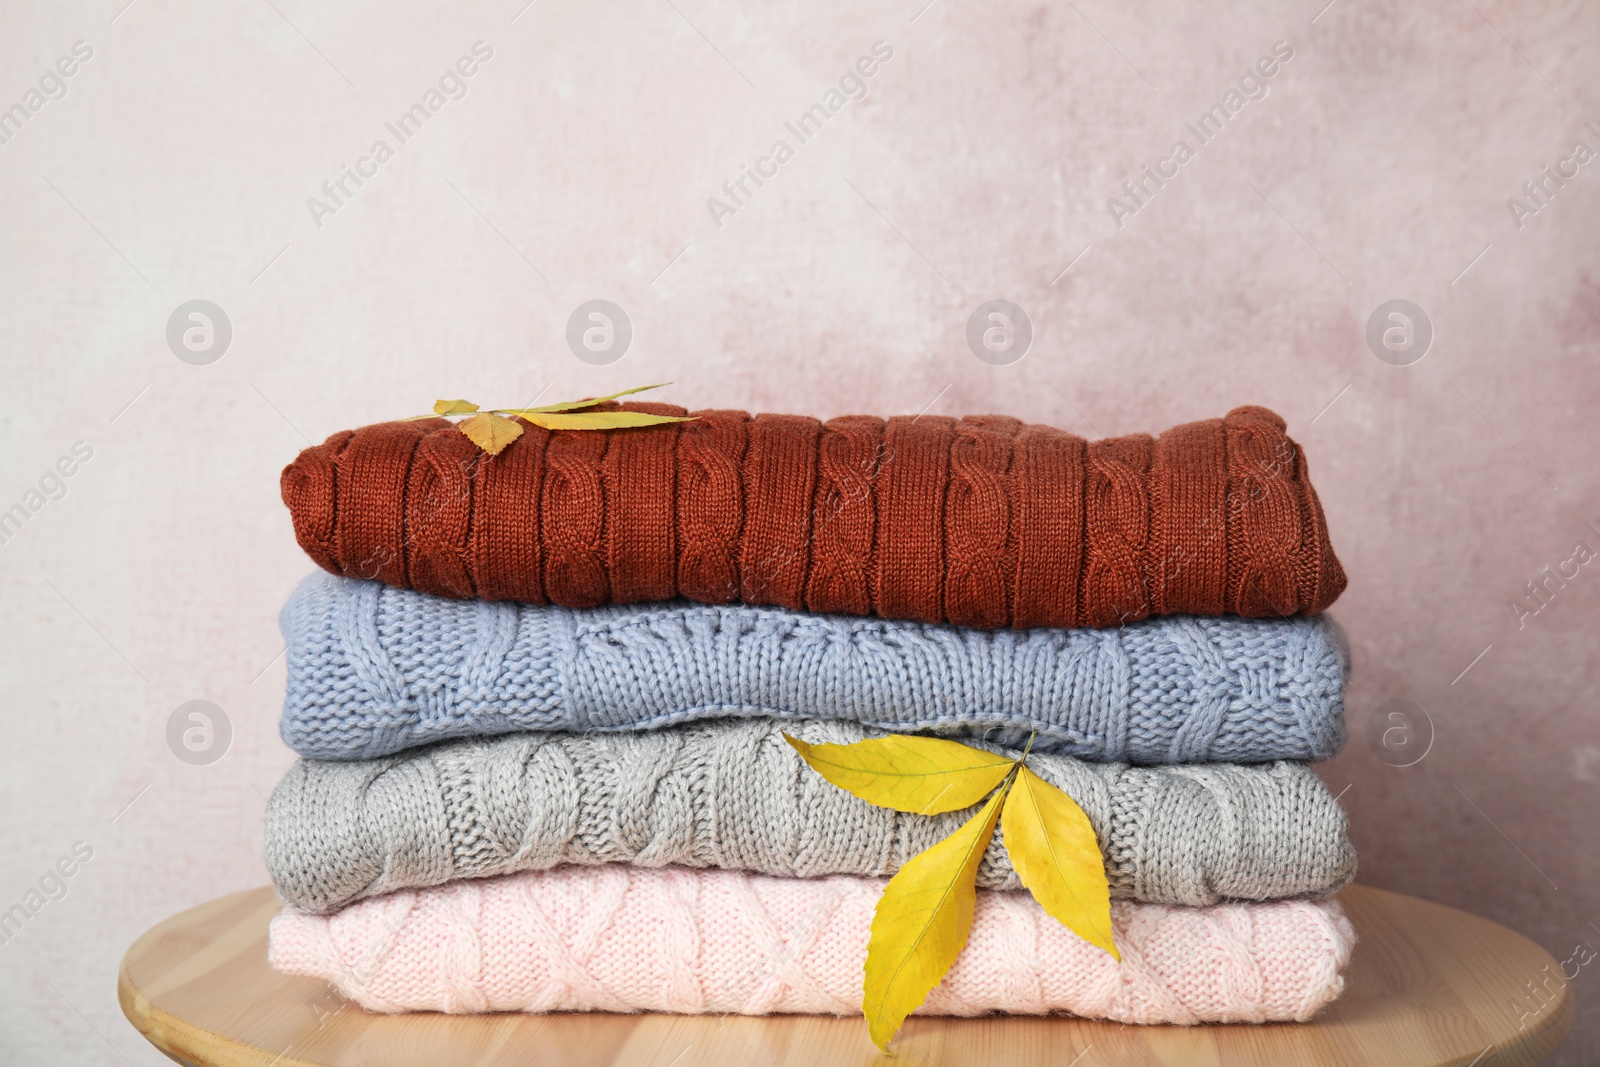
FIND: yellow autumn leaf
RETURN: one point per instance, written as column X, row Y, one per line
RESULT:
column 454, row 407
column 595, row 420
column 1052, row 845
column 921, row 924
column 573, row 405
column 490, row 432
column 924, row 775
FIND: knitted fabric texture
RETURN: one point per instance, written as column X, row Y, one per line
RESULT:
column 734, row 794
column 620, row 938
column 373, row 670
column 981, row 521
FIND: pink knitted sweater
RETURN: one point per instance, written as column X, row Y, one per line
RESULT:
column 620, row 938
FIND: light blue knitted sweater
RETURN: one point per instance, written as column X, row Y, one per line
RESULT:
column 374, row 670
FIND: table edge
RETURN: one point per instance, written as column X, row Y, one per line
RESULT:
column 192, row 1044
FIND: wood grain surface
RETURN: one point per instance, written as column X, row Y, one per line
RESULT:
column 1428, row 985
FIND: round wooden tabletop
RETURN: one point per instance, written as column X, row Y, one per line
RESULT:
column 1427, row 985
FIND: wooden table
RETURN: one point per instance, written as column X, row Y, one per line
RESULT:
column 1428, row 985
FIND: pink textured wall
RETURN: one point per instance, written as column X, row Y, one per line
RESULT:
column 1374, row 164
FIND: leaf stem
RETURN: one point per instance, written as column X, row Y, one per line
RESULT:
column 1027, row 749
column 536, row 411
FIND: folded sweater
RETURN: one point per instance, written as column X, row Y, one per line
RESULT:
column 621, row 938
column 734, row 794
column 981, row 521
column 373, row 670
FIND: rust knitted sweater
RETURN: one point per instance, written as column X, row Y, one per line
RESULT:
column 980, row 521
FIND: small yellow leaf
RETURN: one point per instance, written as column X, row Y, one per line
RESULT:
column 454, row 407
column 924, row 775
column 921, row 924
column 574, row 405
column 595, row 420
column 490, row 432
column 1053, row 848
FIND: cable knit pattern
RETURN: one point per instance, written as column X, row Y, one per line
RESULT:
column 710, row 506
column 847, row 462
column 734, row 794
column 621, row 938
column 1117, row 510
column 373, row 670
column 574, row 515
column 979, row 521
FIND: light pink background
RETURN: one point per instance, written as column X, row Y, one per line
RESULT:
column 978, row 166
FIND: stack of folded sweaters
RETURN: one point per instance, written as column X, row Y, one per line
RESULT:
column 541, row 701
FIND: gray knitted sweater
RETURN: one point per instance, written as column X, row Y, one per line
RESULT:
column 732, row 793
